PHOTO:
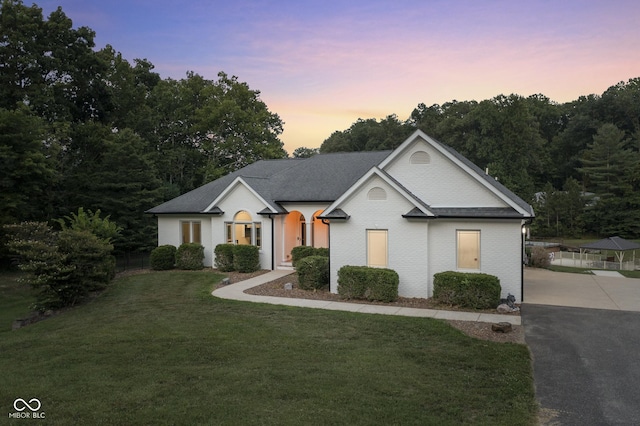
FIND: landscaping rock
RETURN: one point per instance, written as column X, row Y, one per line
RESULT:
column 502, row 327
column 503, row 309
column 288, row 286
column 225, row 281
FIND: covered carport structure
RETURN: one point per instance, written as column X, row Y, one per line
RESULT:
column 616, row 244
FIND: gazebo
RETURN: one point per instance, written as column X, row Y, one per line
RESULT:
column 615, row 244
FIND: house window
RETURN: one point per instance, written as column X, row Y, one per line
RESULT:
column 377, row 248
column 468, row 249
column 191, row 231
column 243, row 231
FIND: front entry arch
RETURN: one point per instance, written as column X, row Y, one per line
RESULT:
column 295, row 232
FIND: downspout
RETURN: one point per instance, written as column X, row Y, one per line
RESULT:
column 327, row 222
column 273, row 244
column 523, row 231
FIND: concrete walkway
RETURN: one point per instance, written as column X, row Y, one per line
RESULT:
column 600, row 291
column 236, row 292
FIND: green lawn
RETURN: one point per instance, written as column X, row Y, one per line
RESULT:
column 158, row 349
column 15, row 299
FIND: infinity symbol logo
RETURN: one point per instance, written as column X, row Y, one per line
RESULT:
column 26, row 405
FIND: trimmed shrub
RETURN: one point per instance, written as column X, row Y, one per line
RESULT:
column 224, row 257
column 300, row 252
column 246, row 258
column 363, row 282
column 321, row 251
column 190, row 256
column 468, row 290
column 313, row 272
column 163, row 257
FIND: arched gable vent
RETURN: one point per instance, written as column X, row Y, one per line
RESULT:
column 420, row 157
column 377, row 194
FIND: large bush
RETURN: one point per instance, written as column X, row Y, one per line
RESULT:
column 468, row 290
column 65, row 267
column 223, row 257
column 362, row 282
column 300, row 252
column 163, row 258
column 190, row 256
column 246, row 258
column 313, row 272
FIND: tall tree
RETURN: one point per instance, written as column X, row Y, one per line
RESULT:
column 608, row 163
column 234, row 127
column 26, row 169
column 368, row 135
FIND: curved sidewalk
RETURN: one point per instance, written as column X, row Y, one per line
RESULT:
column 235, row 291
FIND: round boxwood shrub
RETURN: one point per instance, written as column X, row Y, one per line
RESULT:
column 468, row 290
column 313, row 272
column 246, row 258
column 300, row 252
column 363, row 282
column 163, row 258
column 190, row 256
column 224, row 257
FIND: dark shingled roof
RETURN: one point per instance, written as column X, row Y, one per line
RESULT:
column 476, row 212
column 612, row 243
column 323, row 177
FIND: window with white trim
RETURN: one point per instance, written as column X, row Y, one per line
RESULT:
column 191, row 231
column 243, row 231
column 468, row 246
column 377, row 248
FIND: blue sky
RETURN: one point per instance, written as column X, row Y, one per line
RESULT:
column 321, row 65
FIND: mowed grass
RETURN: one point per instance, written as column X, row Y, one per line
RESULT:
column 157, row 348
column 16, row 299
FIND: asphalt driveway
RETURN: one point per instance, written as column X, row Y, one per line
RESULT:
column 584, row 336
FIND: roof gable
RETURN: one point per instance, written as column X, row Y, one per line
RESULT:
column 239, row 181
column 479, row 185
column 419, row 207
column 323, row 177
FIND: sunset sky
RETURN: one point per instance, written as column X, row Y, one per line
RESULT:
column 321, row 65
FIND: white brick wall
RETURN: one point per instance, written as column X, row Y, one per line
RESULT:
column 169, row 232
column 406, row 239
column 500, row 250
column 441, row 183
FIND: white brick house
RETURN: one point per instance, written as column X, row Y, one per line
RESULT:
column 419, row 210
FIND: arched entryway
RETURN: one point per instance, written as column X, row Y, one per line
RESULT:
column 319, row 231
column 295, row 233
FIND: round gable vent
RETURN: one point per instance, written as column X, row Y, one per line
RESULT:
column 377, row 194
column 420, row 157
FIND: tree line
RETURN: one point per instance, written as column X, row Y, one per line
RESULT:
column 84, row 128
column 577, row 163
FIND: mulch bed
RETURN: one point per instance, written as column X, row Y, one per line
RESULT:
column 480, row 330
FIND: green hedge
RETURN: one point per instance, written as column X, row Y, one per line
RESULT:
column 190, row 256
column 163, row 257
column 246, row 258
column 362, row 282
column 300, row 252
column 313, row 272
column 468, row 290
column 224, row 257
